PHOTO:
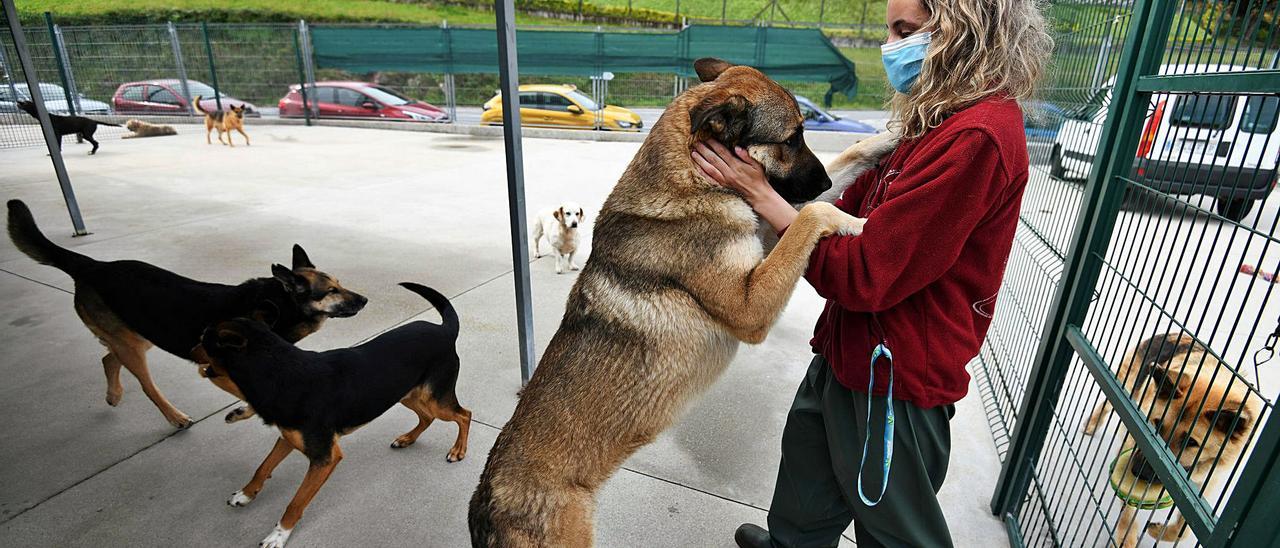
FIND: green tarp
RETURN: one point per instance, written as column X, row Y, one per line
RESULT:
column 782, row 53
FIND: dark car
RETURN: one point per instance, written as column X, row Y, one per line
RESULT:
column 359, row 100
column 165, row 97
column 816, row 119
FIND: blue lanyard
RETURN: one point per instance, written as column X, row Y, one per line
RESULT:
column 881, row 351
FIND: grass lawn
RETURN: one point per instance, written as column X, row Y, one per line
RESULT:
column 103, row 11
column 832, row 11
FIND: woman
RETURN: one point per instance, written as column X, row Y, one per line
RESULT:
column 910, row 299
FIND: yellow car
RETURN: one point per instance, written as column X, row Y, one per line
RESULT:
column 562, row 106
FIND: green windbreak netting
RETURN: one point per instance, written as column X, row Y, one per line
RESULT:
column 782, row 53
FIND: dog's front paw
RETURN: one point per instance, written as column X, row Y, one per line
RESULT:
column 238, row 414
column 851, row 226
column 574, row 267
column 239, row 499
column 113, row 398
column 1167, row 532
column 831, row 220
column 180, row 420
column 277, row 538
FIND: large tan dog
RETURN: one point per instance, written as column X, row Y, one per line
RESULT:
column 676, row 279
column 1202, row 410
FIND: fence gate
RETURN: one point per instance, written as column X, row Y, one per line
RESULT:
column 1141, row 278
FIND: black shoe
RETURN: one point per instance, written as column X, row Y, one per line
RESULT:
column 750, row 535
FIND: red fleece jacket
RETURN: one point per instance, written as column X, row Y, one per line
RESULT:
column 941, row 212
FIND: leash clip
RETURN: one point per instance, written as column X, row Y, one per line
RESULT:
column 881, row 351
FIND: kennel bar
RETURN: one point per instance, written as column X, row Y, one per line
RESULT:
column 71, row 89
column 46, row 128
column 59, row 56
column 213, row 69
column 509, row 74
column 178, row 64
column 302, row 74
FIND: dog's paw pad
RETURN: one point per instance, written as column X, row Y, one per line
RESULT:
column 237, row 414
column 239, row 499
column 277, row 538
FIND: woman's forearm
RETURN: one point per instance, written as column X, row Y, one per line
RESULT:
column 774, row 210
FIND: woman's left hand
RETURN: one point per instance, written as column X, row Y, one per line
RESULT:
column 734, row 169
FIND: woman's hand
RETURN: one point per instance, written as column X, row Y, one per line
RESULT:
column 739, row 171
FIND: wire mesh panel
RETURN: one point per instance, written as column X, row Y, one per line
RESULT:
column 1168, row 390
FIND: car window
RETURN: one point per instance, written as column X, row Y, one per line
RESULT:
column 387, row 95
column 163, row 96
column 198, row 88
column 320, row 94
column 132, row 93
column 1260, row 113
column 529, row 99
column 583, row 100
column 552, row 101
column 808, row 113
column 1203, row 111
column 348, row 97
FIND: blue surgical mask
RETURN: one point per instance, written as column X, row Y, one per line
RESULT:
column 904, row 58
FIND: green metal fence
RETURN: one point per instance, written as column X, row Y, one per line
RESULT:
column 1148, row 215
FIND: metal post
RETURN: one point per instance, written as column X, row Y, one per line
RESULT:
column 723, row 10
column 213, row 70
column 50, row 138
column 57, row 57
column 677, row 11
column 450, row 92
column 72, row 89
column 1148, row 33
column 176, row 46
column 308, row 64
column 8, row 76
column 509, row 71
column 302, row 75
column 1100, row 68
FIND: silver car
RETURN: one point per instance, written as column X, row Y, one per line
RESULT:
column 55, row 100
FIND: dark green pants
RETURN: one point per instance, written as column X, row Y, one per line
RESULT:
column 816, row 495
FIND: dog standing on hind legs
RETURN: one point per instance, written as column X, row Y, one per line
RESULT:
column 314, row 398
column 224, row 121
column 677, row 278
column 1201, row 409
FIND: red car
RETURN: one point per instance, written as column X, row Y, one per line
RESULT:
column 359, row 100
column 165, row 97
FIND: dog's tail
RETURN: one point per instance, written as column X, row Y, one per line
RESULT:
column 199, row 108
column 28, row 239
column 101, row 123
column 441, row 304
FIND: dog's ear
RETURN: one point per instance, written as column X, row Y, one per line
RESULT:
column 581, row 214
column 292, row 283
column 1232, row 420
column 710, row 68
column 1169, row 383
column 558, row 214
column 231, row 338
column 727, row 119
column 300, row 258
column 266, row 312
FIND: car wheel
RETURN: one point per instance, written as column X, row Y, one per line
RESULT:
column 1056, row 169
column 1233, row 209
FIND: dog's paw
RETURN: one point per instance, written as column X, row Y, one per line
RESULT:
column 456, row 454
column 277, row 538
column 113, row 398
column 239, row 499
column 830, row 220
column 238, row 414
column 574, row 267
column 403, row 441
column 180, row 421
column 851, row 226
column 1089, row 428
column 1166, row 532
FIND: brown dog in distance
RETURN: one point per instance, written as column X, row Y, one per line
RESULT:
column 144, row 129
column 676, row 279
column 1204, row 412
column 224, row 121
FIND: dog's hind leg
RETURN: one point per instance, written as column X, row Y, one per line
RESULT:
column 537, row 240
column 111, row 366
column 415, row 401
column 208, row 129
column 134, row 358
column 448, row 409
column 250, row 491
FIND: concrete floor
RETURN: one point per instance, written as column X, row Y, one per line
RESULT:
column 374, row 208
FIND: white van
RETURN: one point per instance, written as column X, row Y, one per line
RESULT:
column 1225, row 146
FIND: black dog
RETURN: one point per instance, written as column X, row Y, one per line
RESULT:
column 314, row 398
column 68, row 125
column 132, row 305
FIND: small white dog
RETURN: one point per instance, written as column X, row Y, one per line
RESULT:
column 560, row 226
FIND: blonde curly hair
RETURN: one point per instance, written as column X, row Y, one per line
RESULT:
column 978, row 48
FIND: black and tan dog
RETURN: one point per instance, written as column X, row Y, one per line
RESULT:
column 314, row 398
column 132, row 305
column 676, row 280
column 68, row 125
column 1204, row 412
column 224, row 121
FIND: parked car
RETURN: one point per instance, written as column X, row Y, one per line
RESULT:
column 165, row 97
column 359, row 100
column 55, row 100
column 1223, row 146
column 816, row 119
column 562, row 106
column 1042, row 120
